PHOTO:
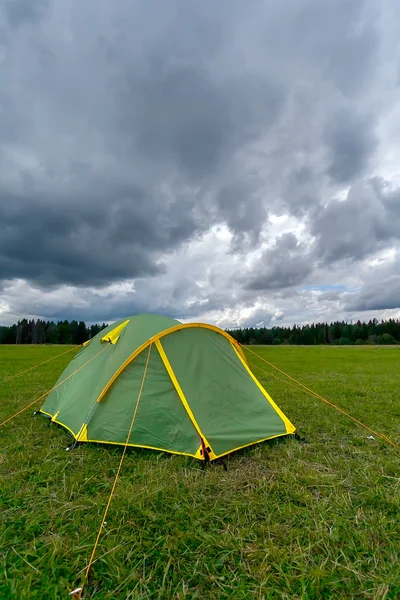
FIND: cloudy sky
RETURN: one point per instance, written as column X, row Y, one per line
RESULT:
column 226, row 161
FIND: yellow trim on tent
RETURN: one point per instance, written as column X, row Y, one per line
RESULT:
column 45, row 413
column 197, row 455
column 53, row 418
column 66, row 427
column 142, row 446
column 113, row 335
column 162, row 334
column 82, row 434
column 181, row 395
column 290, row 428
column 86, row 343
column 271, row 437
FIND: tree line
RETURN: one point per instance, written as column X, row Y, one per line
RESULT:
column 339, row 332
column 37, row 331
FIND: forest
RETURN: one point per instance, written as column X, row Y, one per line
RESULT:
column 339, row 332
column 48, row 332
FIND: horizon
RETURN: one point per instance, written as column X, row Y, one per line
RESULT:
column 102, row 323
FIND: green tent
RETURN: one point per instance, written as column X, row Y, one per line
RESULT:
column 188, row 387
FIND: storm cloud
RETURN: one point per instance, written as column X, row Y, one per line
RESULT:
column 367, row 221
column 196, row 159
column 286, row 264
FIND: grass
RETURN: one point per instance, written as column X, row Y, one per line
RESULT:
column 286, row 521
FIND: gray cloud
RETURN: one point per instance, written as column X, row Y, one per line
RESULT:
column 331, row 296
column 129, row 130
column 351, row 142
column 367, row 221
column 377, row 295
column 20, row 12
column 286, row 264
column 47, row 242
column 194, row 121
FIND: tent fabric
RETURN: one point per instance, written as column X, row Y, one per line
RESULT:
column 198, row 390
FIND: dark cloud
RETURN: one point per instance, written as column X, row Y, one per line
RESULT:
column 186, row 118
column 20, row 12
column 347, row 39
column 129, row 130
column 241, row 208
column 353, row 229
column 140, row 142
column 379, row 295
column 286, row 264
column 351, row 142
column 78, row 243
column 182, row 119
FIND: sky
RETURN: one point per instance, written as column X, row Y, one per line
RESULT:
column 221, row 161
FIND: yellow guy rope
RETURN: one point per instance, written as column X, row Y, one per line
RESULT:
column 381, row 435
column 53, row 388
column 78, row 592
column 39, row 365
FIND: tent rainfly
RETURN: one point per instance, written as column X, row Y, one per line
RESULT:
column 197, row 395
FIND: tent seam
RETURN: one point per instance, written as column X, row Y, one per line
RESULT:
column 162, row 334
column 182, row 396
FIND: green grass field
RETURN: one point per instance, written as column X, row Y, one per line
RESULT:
column 286, row 521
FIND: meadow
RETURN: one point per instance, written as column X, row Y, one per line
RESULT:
column 287, row 520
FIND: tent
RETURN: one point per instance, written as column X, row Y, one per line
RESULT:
column 188, row 385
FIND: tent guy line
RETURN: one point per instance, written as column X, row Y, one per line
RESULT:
column 49, row 391
column 315, row 395
column 79, row 591
column 39, row 365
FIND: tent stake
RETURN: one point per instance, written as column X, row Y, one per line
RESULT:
column 72, row 446
column 300, row 439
